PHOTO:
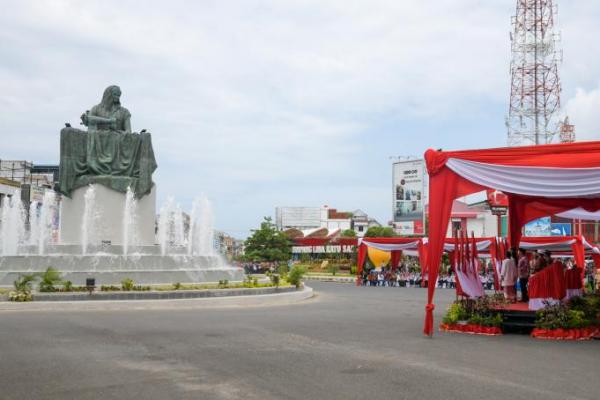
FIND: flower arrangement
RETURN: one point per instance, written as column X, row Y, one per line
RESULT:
column 577, row 319
column 473, row 316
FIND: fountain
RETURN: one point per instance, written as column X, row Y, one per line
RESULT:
column 107, row 215
column 129, row 221
column 12, row 225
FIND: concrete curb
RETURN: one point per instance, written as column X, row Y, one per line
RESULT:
column 325, row 278
column 159, row 295
column 273, row 299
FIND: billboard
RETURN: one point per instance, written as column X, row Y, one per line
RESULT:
column 408, row 197
column 561, row 229
column 538, row 227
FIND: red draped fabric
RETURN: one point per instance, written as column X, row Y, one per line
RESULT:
column 395, row 259
column 548, row 283
column 445, row 186
column 573, row 278
column 579, row 255
column 360, row 262
column 422, row 249
column 596, row 258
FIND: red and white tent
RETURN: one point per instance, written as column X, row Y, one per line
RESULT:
column 395, row 245
column 538, row 181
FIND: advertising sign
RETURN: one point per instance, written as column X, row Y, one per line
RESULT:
column 538, row 227
column 561, row 229
column 36, row 193
column 408, row 197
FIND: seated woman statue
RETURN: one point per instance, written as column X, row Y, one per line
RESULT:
column 109, row 115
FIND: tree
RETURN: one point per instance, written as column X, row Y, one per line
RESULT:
column 267, row 243
column 348, row 233
column 380, row 231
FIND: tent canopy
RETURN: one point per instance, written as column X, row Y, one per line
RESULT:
column 538, row 181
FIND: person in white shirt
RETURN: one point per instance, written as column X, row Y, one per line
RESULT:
column 509, row 277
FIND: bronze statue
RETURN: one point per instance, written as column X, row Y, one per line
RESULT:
column 109, row 114
column 108, row 153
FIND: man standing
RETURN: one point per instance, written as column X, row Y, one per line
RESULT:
column 523, row 268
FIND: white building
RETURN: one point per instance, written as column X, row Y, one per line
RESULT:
column 310, row 218
column 8, row 188
column 476, row 218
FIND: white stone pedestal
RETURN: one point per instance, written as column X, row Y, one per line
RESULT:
column 109, row 210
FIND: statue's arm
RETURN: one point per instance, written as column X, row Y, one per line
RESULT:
column 88, row 119
column 127, row 124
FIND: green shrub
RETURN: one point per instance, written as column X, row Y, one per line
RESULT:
column 577, row 319
column 49, row 279
column 588, row 304
column 283, row 270
column 456, row 312
column 24, row 282
column 275, row 279
column 68, row 286
column 492, row 320
column 333, row 269
column 296, row 274
column 127, row 284
column 223, row 284
column 248, row 283
column 552, row 317
column 20, row 296
column 23, row 286
column 177, row 286
column 353, row 270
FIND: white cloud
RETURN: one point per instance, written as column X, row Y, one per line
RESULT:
column 265, row 102
column 582, row 110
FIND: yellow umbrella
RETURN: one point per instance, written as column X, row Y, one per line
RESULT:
column 378, row 257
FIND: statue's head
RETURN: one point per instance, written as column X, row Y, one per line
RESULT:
column 111, row 97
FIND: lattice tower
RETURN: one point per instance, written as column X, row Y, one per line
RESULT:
column 535, row 84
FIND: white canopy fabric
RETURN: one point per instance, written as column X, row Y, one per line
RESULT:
column 580, row 213
column 530, row 181
column 390, row 247
column 481, row 246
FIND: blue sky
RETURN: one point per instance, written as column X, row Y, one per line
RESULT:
column 266, row 103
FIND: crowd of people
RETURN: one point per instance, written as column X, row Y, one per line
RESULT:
column 402, row 277
column 258, row 268
column 519, row 266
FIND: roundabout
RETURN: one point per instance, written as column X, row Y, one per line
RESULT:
column 346, row 342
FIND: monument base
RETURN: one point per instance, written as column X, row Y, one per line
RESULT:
column 109, row 216
column 109, row 266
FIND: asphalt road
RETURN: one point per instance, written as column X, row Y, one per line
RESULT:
column 347, row 343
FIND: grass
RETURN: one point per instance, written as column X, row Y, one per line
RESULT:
column 164, row 288
column 340, row 274
column 211, row 286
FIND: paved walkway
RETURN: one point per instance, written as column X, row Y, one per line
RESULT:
column 347, row 343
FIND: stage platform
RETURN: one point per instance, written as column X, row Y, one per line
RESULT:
column 515, row 307
column 517, row 318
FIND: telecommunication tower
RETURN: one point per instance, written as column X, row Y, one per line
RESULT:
column 535, row 84
column 567, row 131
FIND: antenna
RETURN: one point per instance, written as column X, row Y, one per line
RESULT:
column 535, row 83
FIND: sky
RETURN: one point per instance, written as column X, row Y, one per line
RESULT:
column 259, row 104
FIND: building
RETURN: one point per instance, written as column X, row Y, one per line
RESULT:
column 8, row 188
column 227, row 245
column 361, row 222
column 315, row 218
column 26, row 173
column 472, row 218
